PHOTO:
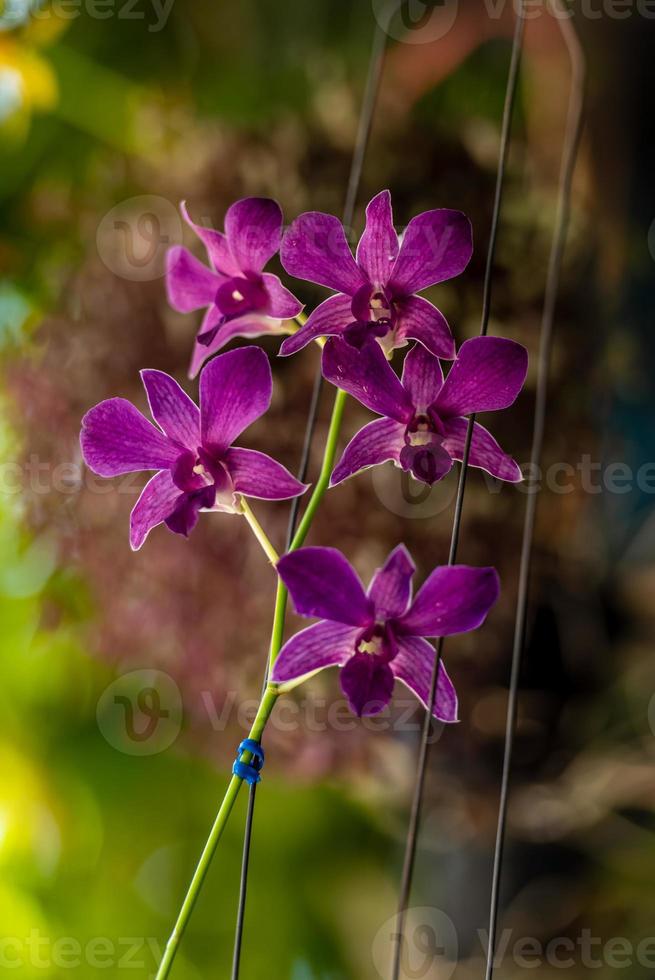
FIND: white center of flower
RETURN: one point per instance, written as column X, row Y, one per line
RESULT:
column 422, row 436
column 236, row 295
column 200, row 470
column 371, row 646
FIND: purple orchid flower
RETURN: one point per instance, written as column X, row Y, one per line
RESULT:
column 198, row 468
column 378, row 637
column 241, row 299
column 376, row 293
column 424, row 426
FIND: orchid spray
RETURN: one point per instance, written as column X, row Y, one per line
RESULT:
column 376, row 636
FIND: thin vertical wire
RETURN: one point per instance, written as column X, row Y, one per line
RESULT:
column 415, row 815
column 569, row 155
column 376, row 64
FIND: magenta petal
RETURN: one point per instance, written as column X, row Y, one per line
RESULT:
column 282, row 303
column 487, row 375
column 172, row 409
column 422, row 377
column 235, row 389
column 329, row 319
column 367, row 375
column 427, row 464
column 436, row 246
column 391, row 588
column 158, row 500
column 116, row 438
column 249, row 325
column 253, row 227
column 190, row 285
column 378, row 246
column 485, row 452
column 454, row 599
column 257, row 475
column 315, row 249
column 216, row 244
column 378, row 442
column 323, row 584
column 420, row 320
column 321, row 645
column 367, row 681
column 413, row 665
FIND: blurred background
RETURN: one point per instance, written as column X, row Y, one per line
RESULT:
column 127, row 680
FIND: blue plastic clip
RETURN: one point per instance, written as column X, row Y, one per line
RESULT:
column 250, row 772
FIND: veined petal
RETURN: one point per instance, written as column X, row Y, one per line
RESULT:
column 255, row 474
column 190, row 285
column 422, row 377
column 378, row 246
column 216, row 244
column 235, row 389
column 158, row 500
column 249, row 325
column 116, row 438
column 367, row 375
column 367, row 681
column 454, row 599
column 172, row 409
column 283, row 303
column 391, row 587
column 414, row 665
column 323, row 584
column 427, row 464
column 253, row 227
column 487, row 375
column 321, row 645
column 485, row 452
column 315, row 249
column 330, row 318
column 378, row 442
column 436, row 246
column 420, row 320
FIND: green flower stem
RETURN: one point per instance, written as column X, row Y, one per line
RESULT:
column 259, row 532
column 199, row 875
column 270, row 694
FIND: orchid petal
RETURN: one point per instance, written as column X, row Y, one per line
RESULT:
column 315, row 249
column 235, row 389
column 321, row 645
column 216, row 244
column 172, row 409
column 422, row 377
column 116, row 438
column 414, row 666
column 367, row 681
column 158, row 500
column 378, row 442
column 378, row 246
column 485, row 453
column 420, row 320
column 253, row 227
column 436, row 246
column 454, row 599
column 330, row 318
column 249, row 325
column 367, row 376
column 391, row 587
column 322, row 583
column 282, row 302
column 255, row 474
column 190, row 285
column 487, row 375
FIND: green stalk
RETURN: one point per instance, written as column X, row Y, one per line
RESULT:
column 268, row 700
